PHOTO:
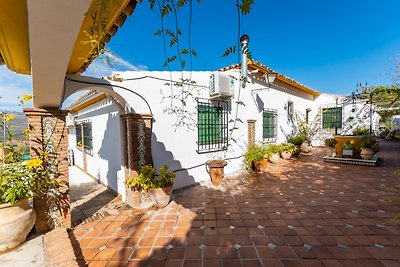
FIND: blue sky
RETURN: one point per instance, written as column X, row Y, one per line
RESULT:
column 328, row 45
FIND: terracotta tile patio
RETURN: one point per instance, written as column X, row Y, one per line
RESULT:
column 303, row 212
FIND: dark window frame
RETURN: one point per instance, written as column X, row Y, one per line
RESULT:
column 332, row 117
column 212, row 126
column 270, row 125
column 290, row 109
column 83, row 134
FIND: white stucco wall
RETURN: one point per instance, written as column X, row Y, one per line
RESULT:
column 105, row 163
column 148, row 92
column 176, row 146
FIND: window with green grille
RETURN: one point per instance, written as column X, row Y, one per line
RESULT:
column 87, row 136
column 78, row 135
column 83, row 132
column 332, row 118
column 269, row 124
column 212, row 124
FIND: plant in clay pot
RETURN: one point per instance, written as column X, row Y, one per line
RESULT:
column 369, row 146
column 287, row 149
column 159, row 189
column 273, row 152
column 330, row 144
column 255, row 158
column 297, row 140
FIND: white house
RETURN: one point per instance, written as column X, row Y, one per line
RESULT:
column 190, row 125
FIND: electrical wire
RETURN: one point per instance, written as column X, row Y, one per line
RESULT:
column 114, row 85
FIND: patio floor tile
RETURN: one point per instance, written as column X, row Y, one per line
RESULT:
column 302, row 212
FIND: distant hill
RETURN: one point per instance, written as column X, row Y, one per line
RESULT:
column 17, row 125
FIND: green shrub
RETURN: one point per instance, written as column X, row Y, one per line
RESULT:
column 361, row 131
column 254, row 153
column 296, row 140
column 146, row 178
column 348, row 146
column 369, row 142
column 330, row 142
column 273, row 149
column 288, row 147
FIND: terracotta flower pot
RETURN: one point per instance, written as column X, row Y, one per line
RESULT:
column 274, row 158
column 331, row 152
column 260, row 165
column 160, row 196
column 367, row 153
column 306, row 147
column 286, row 155
column 215, row 168
column 16, row 221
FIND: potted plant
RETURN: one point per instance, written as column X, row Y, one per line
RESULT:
column 307, row 129
column 159, row 189
column 369, row 146
column 361, row 131
column 273, row 152
column 348, row 150
column 330, row 144
column 215, row 169
column 287, row 149
column 254, row 158
column 297, row 140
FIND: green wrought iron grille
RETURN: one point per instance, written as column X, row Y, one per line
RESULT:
column 87, row 136
column 270, row 124
column 78, row 133
column 332, row 118
column 212, row 124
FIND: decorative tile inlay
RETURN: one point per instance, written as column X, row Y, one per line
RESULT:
column 319, row 226
column 349, row 226
column 381, row 211
column 379, row 245
column 354, row 211
column 260, row 227
column 271, row 246
column 303, row 212
column 246, row 202
column 141, row 139
column 169, row 246
column 237, row 246
column 252, row 213
column 203, row 227
column 290, row 226
column 380, row 225
column 231, row 227
column 328, row 211
column 277, row 212
column 341, row 245
column 307, row 246
column 336, row 201
column 103, row 247
column 202, row 246
column 228, row 213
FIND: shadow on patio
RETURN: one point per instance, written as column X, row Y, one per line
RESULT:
column 303, row 212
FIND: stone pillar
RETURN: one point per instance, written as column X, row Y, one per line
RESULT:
column 251, row 133
column 137, row 141
column 49, row 133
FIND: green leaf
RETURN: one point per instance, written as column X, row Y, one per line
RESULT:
column 193, row 52
column 159, row 32
column 152, row 4
column 229, row 50
column 245, row 7
column 165, row 10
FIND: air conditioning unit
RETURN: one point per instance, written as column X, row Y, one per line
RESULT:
column 221, row 86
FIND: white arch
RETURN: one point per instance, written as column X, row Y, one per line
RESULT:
column 75, row 83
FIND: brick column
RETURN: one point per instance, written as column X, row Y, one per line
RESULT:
column 137, row 141
column 49, row 133
column 251, row 133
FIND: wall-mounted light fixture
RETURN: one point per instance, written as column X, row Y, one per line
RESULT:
column 270, row 77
